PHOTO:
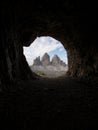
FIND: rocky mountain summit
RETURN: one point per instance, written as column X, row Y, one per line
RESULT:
column 37, row 61
column 45, row 61
column 44, row 67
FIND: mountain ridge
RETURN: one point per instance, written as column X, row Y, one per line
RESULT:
column 45, row 61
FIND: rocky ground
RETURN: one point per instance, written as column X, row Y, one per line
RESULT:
column 57, row 104
column 50, row 71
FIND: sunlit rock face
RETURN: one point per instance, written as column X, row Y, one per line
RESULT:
column 74, row 24
column 45, row 60
column 56, row 61
column 52, row 69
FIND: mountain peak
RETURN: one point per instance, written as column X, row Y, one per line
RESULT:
column 56, row 61
column 45, row 59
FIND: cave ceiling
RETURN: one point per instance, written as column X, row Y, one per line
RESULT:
column 63, row 20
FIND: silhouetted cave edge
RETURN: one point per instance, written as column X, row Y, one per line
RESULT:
column 71, row 23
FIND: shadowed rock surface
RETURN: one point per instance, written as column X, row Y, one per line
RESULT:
column 49, row 104
column 46, row 68
column 72, row 23
column 37, row 61
column 56, row 61
column 45, row 60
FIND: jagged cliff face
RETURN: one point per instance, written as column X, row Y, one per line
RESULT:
column 56, row 61
column 50, row 69
column 74, row 24
column 37, row 61
column 45, row 59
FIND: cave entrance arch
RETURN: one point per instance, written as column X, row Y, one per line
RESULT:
column 47, row 57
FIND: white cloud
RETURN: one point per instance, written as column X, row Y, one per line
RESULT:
column 61, row 49
column 39, row 47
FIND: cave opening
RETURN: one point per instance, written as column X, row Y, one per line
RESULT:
column 47, row 57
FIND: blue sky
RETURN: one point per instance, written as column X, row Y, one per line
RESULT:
column 42, row 45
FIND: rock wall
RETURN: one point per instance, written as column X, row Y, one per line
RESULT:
column 56, row 61
column 73, row 23
column 45, row 61
column 13, row 65
column 37, row 61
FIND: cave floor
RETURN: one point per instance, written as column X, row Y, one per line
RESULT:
column 49, row 104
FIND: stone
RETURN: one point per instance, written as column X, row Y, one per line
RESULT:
column 73, row 24
column 62, row 63
column 55, row 60
column 45, row 60
column 37, row 61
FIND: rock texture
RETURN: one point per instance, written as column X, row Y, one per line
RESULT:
column 56, row 61
column 45, row 59
column 72, row 23
column 45, row 104
column 37, row 61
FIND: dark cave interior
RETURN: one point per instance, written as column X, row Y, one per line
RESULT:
column 74, row 26
column 72, row 23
